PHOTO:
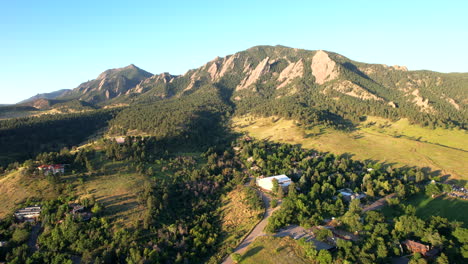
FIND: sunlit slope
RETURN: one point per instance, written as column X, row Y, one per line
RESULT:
column 396, row 143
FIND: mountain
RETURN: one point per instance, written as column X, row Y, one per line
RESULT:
column 285, row 81
column 109, row 84
column 51, row 95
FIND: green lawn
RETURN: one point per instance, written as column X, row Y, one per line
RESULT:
column 450, row 208
column 447, row 207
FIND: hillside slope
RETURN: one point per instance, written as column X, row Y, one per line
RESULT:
column 51, row 95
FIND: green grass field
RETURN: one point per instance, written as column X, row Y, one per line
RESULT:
column 450, row 208
column 267, row 249
column 399, row 143
column 443, row 206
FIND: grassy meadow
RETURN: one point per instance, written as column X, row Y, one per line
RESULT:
column 280, row 250
column 117, row 190
column 394, row 143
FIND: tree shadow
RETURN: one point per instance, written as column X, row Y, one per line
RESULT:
column 347, row 155
column 251, row 252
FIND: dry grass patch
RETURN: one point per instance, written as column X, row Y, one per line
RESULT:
column 118, row 193
column 238, row 218
column 280, row 250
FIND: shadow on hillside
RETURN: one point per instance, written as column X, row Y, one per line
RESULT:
column 353, row 68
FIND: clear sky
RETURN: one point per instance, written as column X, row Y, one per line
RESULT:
column 50, row 45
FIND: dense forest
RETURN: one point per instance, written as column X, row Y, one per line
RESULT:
column 181, row 220
column 23, row 138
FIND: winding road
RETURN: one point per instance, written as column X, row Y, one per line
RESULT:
column 257, row 231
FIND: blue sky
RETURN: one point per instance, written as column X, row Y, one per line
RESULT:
column 51, row 45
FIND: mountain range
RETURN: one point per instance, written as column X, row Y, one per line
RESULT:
column 271, row 74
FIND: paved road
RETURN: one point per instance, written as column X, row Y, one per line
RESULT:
column 32, row 242
column 257, row 231
column 298, row 232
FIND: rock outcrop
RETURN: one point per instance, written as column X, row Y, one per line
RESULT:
column 323, row 68
column 254, row 75
column 291, row 72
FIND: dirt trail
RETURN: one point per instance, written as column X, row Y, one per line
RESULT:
column 379, row 203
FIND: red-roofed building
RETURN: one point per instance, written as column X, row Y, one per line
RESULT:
column 54, row 168
column 425, row 250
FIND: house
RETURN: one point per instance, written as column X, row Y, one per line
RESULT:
column 120, row 140
column 28, row 214
column 77, row 208
column 417, row 247
column 255, row 168
column 267, row 182
column 3, row 243
column 298, row 232
column 54, row 168
column 350, row 195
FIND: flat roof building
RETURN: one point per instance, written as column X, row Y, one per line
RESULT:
column 267, row 182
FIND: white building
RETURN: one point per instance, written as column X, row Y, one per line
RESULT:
column 350, row 195
column 28, row 213
column 267, row 183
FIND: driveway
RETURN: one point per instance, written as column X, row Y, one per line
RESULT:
column 379, row 203
column 257, row 231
